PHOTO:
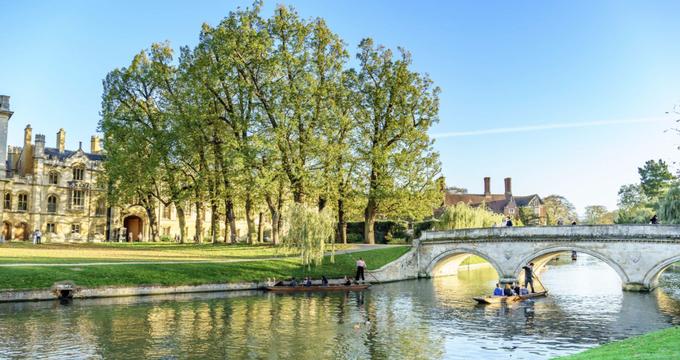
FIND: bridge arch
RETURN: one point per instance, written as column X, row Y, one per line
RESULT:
column 452, row 259
column 542, row 257
column 651, row 278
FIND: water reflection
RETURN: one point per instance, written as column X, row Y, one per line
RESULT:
column 426, row 319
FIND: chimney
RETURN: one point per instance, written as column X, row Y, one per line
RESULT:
column 39, row 149
column 27, row 136
column 94, row 145
column 5, row 115
column 508, row 186
column 61, row 140
column 487, row 186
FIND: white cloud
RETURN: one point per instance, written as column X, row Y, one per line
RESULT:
column 546, row 127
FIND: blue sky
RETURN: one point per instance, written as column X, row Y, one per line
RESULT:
column 574, row 93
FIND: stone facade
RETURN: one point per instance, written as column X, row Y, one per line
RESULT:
column 56, row 191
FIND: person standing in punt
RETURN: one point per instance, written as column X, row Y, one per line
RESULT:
column 361, row 266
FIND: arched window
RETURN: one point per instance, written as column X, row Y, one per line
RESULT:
column 7, row 202
column 79, row 172
column 54, row 178
column 52, row 204
column 22, row 202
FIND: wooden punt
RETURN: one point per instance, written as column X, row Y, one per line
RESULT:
column 508, row 299
column 319, row 288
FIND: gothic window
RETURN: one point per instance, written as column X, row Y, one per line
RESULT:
column 51, row 228
column 78, row 173
column 7, row 201
column 167, row 211
column 52, row 204
column 75, row 228
column 22, row 203
column 78, row 199
column 54, row 178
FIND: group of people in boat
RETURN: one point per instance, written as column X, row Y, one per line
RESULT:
column 515, row 288
column 307, row 281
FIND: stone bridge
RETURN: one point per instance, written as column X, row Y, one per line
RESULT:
column 638, row 253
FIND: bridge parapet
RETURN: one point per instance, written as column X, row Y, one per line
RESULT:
column 640, row 233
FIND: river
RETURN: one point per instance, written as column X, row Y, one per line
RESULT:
column 420, row 319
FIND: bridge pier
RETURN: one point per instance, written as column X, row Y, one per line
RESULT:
column 637, row 287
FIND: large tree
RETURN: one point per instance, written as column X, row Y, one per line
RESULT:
column 396, row 109
column 558, row 208
column 655, row 178
column 598, row 214
column 669, row 206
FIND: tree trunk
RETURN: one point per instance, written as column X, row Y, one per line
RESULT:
column 322, row 203
column 369, row 221
column 249, row 219
column 231, row 217
column 198, row 237
column 341, row 236
column 227, row 228
column 182, row 223
column 153, row 220
column 214, row 223
column 260, row 228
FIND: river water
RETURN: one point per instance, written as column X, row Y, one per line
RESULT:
column 420, row 319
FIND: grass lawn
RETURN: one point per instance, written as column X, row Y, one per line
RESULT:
column 35, row 277
column 25, row 252
column 663, row 344
column 474, row 259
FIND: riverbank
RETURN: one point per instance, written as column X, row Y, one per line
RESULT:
column 150, row 275
column 662, row 344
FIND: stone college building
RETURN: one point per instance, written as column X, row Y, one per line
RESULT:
column 55, row 190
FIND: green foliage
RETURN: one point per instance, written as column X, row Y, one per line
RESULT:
column 639, row 214
column 669, row 206
column 355, row 238
column 558, row 208
column 309, row 233
column 463, row 216
column 598, row 214
column 655, row 178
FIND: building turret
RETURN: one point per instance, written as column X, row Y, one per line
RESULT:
column 61, row 140
column 5, row 115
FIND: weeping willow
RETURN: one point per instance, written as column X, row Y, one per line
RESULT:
column 669, row 206
column 463, row 216
column 310, row 233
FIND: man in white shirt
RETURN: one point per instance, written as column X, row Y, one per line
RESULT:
column 361, row 266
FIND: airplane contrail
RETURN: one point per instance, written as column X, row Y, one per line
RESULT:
column 545, row 127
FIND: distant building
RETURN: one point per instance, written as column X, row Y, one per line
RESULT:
column 506, row 203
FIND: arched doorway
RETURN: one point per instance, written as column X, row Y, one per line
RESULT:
column 20, row 231
column 6, row 230
column 133, row 227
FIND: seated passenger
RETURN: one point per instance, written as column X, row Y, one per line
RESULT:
column 523, row 291
column 515, row 288
column 324, row 280
column 508, row 290
column 498, row 291
column 293, row 282
column 308, row 281
column 347, row 281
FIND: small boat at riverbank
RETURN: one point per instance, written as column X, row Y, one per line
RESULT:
column 317, row 288
column 509, row 299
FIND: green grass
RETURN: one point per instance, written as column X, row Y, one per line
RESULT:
column 663, row 344
column 35, row 277
column 25, row 252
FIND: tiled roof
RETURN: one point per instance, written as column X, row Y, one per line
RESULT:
column 54, row 153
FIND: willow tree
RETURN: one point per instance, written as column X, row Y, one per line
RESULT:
column 310, row 233
column 463, row 216
column 396, row 109
column 669, row 206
